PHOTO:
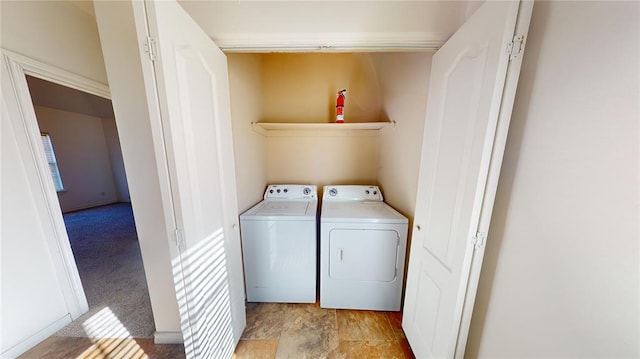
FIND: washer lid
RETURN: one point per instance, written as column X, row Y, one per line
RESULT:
column 361, row 211
column 279, row 209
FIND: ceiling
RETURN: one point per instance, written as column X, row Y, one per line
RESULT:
column 306, row 25
column 49, row 94
column 327, row 25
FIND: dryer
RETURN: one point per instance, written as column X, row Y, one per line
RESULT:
column 362, row 250
column 279, row 245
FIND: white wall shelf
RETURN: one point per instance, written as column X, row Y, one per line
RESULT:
column 319, row 129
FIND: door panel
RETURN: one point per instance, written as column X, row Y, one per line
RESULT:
column 461, row 96
column 466, row 91
column 191, row 85
column 426, row 313
column 363, row 255
column 202, row 185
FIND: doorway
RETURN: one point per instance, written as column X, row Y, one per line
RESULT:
column 83, row 150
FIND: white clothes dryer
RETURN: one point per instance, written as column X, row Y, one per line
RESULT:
column 362, row 250
column 279, row 245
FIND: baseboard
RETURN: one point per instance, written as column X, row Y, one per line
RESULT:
column 35, row 339
column 89, row 205
column 168, row 338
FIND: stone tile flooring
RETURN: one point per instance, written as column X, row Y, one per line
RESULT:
column 277, row 330
column 273, row 330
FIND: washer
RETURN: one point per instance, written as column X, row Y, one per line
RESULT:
column 362, row 250
column 279, row 245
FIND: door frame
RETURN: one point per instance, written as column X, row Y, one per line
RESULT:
column 523, row 19
column 500, row 110
column 18, row 67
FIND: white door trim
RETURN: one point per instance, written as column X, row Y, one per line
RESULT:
column 18, row 66
column 456, row 205
column 495, row 164
column 35, row 68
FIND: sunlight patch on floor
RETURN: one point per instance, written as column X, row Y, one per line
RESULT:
column 110, row 338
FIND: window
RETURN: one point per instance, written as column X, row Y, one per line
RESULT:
column 51, row 159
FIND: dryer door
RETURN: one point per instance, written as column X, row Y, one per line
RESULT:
column 363, row 254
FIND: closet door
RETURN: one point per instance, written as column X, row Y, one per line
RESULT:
column 472, row 86
column 186, row 85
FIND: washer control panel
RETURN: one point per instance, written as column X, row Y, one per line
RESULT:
column 291, row 191
column 352, row 193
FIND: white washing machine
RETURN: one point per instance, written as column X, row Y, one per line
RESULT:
column 362, row 250
column 279, row 245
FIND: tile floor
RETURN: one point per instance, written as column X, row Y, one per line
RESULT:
column 273, row 330
column 277, row 330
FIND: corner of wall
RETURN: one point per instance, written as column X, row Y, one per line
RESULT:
column 245, row 78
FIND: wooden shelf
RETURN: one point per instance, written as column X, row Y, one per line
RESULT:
column 319, row 129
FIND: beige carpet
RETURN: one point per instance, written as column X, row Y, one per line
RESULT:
column 105, row 245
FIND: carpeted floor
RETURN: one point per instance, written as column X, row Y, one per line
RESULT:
column 105, row 246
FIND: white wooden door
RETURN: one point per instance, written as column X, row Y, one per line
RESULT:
column 471, row 91
column 191, row 85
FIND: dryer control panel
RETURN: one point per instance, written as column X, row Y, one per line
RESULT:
column 352, row 193
column 291, row 191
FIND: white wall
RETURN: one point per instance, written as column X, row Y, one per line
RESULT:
column 35, row 302
column 122, row 58
column 561, row 270
column 54, row 32
column 115, row 155
column 300, row 88
column 303, row 87
column 323, row 160
column 249, row 147
column 31, row 300
column 83, row 158
column 404, row 79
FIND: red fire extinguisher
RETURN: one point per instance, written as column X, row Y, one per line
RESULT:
column 340, row 106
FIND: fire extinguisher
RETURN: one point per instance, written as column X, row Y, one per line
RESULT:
column 340, row 106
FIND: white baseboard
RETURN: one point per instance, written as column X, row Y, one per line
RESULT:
column 87, row 205
column 168, row 338
column 35, row 339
